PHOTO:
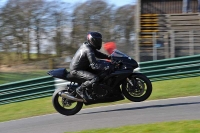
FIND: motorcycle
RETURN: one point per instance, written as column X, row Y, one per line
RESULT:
column 123, row 80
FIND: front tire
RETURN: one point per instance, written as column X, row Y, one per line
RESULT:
column 141, row 89
column 65, row 106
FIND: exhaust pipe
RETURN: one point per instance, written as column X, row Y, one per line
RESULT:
column 67, row 96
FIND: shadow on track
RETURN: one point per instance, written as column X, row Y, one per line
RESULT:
column 143, row 107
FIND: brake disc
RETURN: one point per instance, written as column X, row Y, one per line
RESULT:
column 138, row 89
column 66, row 102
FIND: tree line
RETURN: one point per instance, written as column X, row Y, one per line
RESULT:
column 45, row 26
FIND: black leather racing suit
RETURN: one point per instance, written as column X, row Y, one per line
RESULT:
column 83, row 60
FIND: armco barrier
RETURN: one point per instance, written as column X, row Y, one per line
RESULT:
column 174, row 68
column 188, row 59
column 27, row 89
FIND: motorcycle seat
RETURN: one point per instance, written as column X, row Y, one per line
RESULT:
column 71, row 78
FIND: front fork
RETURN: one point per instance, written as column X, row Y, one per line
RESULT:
column 133, row 84
column 130, row 82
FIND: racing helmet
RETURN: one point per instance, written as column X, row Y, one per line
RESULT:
column 95, row 39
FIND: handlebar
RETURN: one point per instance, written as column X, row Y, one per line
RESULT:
column 116, row 63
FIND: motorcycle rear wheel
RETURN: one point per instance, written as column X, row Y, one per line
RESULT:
column 65, row 106
column 141, row 89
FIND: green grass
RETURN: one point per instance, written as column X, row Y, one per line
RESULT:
column 26, row 109
column 161, row 90
column 7, row 77
column 164, row 127
column 176, row 88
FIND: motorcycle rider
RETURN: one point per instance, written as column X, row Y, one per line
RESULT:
column 85, row 59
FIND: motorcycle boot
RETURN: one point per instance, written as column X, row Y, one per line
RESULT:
column 80, row 92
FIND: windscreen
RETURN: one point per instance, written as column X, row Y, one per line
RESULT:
column 117, row 53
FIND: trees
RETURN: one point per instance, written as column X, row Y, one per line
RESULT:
column 37, row 25
column 18, row 18
column 114, row 23
column 13, row 25
column 59, row 19
column 124, row 22
column 91, row 16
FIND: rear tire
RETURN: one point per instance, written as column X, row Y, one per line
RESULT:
column 141, row 90
column 65, row 109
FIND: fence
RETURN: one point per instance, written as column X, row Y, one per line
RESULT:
column 173, row 68
column 163, row 45
column 26, row 90
column 161, row 36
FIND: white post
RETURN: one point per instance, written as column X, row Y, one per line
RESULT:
column 172, row 44
column 137, row 30
column 191, row 43
column 154, row 46
column 166, row 45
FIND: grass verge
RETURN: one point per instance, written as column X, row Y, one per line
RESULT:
column 164, row 127
column 161, row 90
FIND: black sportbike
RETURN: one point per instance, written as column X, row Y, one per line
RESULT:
column 113, row 85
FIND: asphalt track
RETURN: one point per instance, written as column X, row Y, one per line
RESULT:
column 185, row 108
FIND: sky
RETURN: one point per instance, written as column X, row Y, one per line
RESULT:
column 115, row 2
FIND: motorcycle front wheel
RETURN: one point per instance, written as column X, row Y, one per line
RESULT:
column 138, row 88
column 65, row 106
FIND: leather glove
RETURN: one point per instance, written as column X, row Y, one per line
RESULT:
column 110, row 68
column 109, row 57
column 106, row 67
